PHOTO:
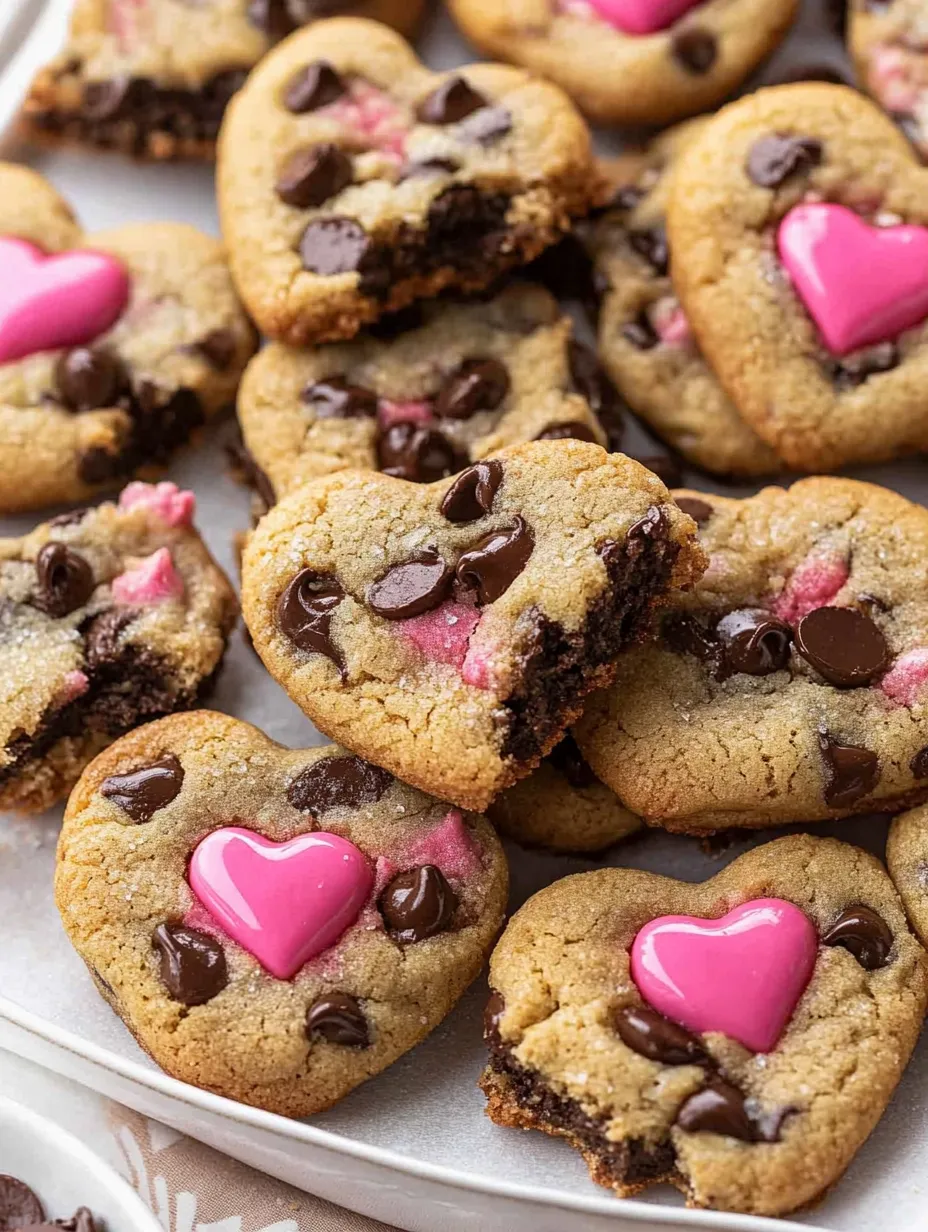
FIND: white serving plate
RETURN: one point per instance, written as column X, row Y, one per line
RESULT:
column 412, row 1147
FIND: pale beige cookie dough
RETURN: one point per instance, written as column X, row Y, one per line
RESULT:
column 907, row 857
column 889, row 47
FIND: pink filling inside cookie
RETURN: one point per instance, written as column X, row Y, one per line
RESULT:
column 890, row 77
column 164, row 501
column 74, row 685
column 813, row 584
column 670, row 322
column 390, row 413
column 442, row 635
column 480, row 667
column 373, row 117
column 906, row 680
column 122, row 19
column 449, row 846
column 152, row 580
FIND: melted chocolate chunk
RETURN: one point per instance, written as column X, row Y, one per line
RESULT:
column 337, row 782
column 851, row 772
column 665, row 466
column 418, row 904
column 19, row 1206
column 774, row 159
column 339, row 1019
column 313, row 87
column 471, row 495
column 572, row 430
column 126, row 112
column 720, row 1108
column 853, row 370
column 685, row 634
column 428, row 166
column 653, row 1036
column 495, row 561
column 333, row 246
column 418, row 453
column 305, row 612
column 314, row 175
column 567, row 758
column 450, row 102
column 843, row 645
column 492, row 1013
column 754, row 641
column 695, row 50
column 640, row 333
column 476, row 385
column 863, row 932
column 64, row 579
column 193, row 964
column 219, row 348
column 412, row 588
column 336, row 398
column 87, row 378
column 699, row 510
column 103, row 100
column 487, row 126
column 141, row 793
column 652, row 246
column 919, row 763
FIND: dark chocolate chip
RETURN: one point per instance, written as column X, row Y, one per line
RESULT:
column 863, row 932
column 853, row 370
column 640, row 333
column 720, row 1108
column 219, row 348
column 428, row 167
column 572, row 430
column 450, row 102
column 843, row 645
column 654, row 526
column 141, row 793
column 567, row 758
column 103, row 100
column 774, row 159
column 487, row 126
column 88, row 378
column 851, row 772
column 314, row 175
column 193, row 964
column 19, row 1206
column 493, row 1012
column 699, row 510
column 495, row 561
column 919, row 763
column 333, row 246
column 471, row 495
column 665, row 466
column 418, row 904
column 313, row 87
column 695, row 50
column 412, row 588
column 339, row 1019
column 652, row 246
column 392, row 324
column 337, row 782
column 754, row 641
column 685, row 634
column 475, row 385
column 653, row 1036
column 65, row 580
column 417, row 452
column 336, row 398
column 305, row 612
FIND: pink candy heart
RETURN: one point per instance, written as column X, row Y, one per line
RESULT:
column 741, row 975
column 861, row 284
column 60, row 300
column 642, row 16
column 282, row 902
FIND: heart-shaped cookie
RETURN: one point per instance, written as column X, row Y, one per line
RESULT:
column 449, row 631
column 461, row 382
column 886, row 42
column 110, row 617
column 793, row 250
column 791, row 684
column 580, row 1049
column 352, row 180
column 274, row 925
column 114, row 347
column 153, row 78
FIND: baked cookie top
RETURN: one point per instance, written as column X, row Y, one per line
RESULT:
column 907, row 858
column 887, row 44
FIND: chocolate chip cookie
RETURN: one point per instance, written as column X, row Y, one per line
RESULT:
column 352, row 180
column 907, row 857
column 114, row 347
column 110, row 617
column 791, row 684
column 449, row 631
column 152, row 78
column 274, row 925
column 464, row 380
column 742, row 1051
column 632, row 61
column 888, row 45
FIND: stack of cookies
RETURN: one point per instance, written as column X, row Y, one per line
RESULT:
column 465, row 586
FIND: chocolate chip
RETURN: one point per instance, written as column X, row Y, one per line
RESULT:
column 812, row 72
column 775, row 158
column 219, row 348
column 418, row 904
column 336, row 398
column 851, row 771
column 141, row 793
column 695, row 50
column 685, row 634
column 492, row 1013
column 65, row 580
column 313, row 87
column 428, row 167
column 412, row 588
column 699, row 510
column 87, row 378
column 653, row 1036
column 487, row 126
column 665, row 466
column 572, row 430
column 653, row 527
column 590, row 380
column 864, row 933
column 652, row 246
column 19, row 1206
column 495, row 561
column 720, row 1108
column 333, row 246
column 193, row 964
column 103, row 100
column 476, row 385
column 640, row 333
column 754, row 641
column 450, row 102
column 339, row 1019
column 843, row 645
column 314, row 175
column 853, row 370
column 305, row 612
column 418, row 453
column 567, row 758
column 472, row 493
column 337, row 782
column 919, row 763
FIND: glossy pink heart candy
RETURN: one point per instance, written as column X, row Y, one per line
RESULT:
column 642, row 16
column 741, row 975
column 283, row 902
column 861, row 284
column 57, row 300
